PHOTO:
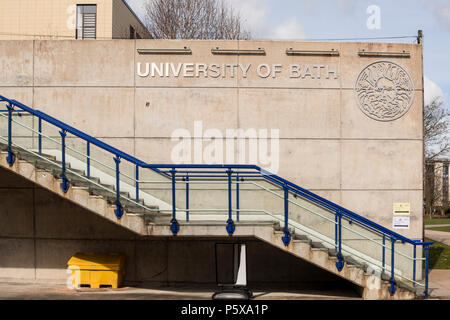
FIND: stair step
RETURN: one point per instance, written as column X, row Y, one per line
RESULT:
column 302, row 241
column 138, row 209
column 32, row 157
column 319, row 249
column 77, row 181
column 352, row 262
column 300, row 237
column 318, row 245
column 277, row 226
column 332, row 252
column 385, row 276
column 158, row 218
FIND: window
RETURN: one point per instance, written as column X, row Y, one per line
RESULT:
column 86, row 21
column 132, row 33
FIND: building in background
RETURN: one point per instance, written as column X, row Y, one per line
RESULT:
column 437, row 187
column 69, row 19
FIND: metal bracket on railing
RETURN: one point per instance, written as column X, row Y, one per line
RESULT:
column 119, row 208
column 65, row 184
column 392, row 287
column 340, row 263
column 230, row 227
column 286, row 238
column 174, row 226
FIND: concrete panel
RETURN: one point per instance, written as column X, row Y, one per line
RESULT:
column 16, row 63
column 296, row 113
column 312, row 164
column 125, row 145
column 71, row 63
column 191, row 262
column 314, row 77
column 16, row 212
column 21, row 94
column 9, row 181
column 159, row 150
column 378, row 207
column 352, row 64
column 171, row 109
column 382, row 164
column 152, row 260
column 201, row 53
column 104, row 113
column 289, row 269
column 59, row 218
column 357, row 125
column 17, row 260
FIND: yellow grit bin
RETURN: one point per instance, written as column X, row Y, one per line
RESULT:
column 97, row 270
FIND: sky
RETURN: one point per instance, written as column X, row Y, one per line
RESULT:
column 344, row 19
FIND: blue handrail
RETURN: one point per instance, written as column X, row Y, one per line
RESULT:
column 186, row 171
column 263, row 173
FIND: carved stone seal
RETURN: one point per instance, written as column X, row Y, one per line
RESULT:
column 384, row 91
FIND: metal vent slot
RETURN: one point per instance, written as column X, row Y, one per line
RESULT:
column 293, row 52
column 403, row 54
column 259, row 51
column 185, row 50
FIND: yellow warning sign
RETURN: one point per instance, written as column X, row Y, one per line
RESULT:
column 402, row 209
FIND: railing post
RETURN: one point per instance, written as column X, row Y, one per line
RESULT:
column 426, row 270
column 187, row 198
column 119, row 208
column 40, row 136
column 174, row 225
column 392, row 287
column 137, row 183
column 65, row 184
column 384, row 252
column 230, row 223
column 88, row 160
column 237, row 197
column 340, row 263
column 336, row 235
column 414, row 266
column 287, row 235
column 11, row 156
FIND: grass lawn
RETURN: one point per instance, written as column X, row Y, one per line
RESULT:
column 444, row 229
column 439, row 255
column 429, row 221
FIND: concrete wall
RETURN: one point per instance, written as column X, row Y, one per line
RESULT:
column 327, row 144
column 44, row 231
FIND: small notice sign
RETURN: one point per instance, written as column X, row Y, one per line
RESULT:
column 401, row 222
column 401, row 215
column 402, row 209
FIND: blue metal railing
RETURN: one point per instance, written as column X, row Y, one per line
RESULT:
column 229, row 173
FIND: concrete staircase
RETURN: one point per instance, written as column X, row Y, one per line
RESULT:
column 146, row 219
column 90, row 193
